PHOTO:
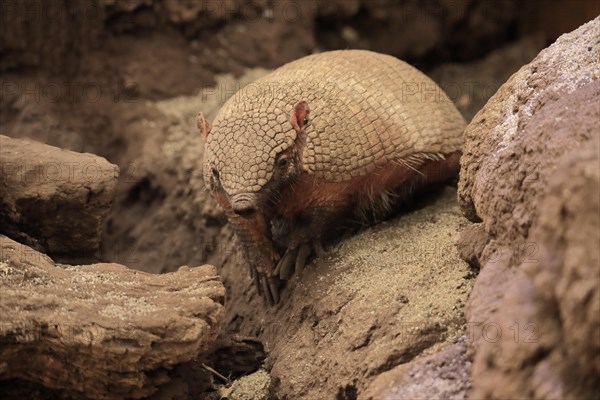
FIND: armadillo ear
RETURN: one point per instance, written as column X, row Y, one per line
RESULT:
column 203, row 125
column 299, row 117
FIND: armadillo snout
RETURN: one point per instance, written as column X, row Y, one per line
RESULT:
column 243, row 205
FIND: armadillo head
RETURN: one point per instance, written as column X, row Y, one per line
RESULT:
column 251, row 155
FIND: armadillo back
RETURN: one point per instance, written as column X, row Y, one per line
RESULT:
column 366, row 110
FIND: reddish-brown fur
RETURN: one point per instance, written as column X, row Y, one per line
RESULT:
column 309, row 192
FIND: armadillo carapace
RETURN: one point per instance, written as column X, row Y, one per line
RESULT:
column 321, row 140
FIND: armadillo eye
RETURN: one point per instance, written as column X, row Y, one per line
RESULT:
column 215, row 173
column 282, row 162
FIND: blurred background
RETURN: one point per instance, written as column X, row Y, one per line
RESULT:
column 124, row 78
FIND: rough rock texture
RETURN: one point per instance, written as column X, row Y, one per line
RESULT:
column 442, row 375
column 550, row 314
column 494, row 137
column 273, row 31
column 380, row 299
column 530, row 174
column 54, row 200
column 566, row 281
column 101, row 330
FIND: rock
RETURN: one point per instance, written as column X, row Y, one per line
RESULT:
column 101, row 330
column 472, row 242
column 251, row 387
column 549, row 316
column 495, row 162
column 530, row 174
column 442, row 375
column 546, row 311
column 566, row 281
column 54, row 200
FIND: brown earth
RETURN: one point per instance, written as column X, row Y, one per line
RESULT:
column 381, row 298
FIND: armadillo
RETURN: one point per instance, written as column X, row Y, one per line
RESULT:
column 321, row 139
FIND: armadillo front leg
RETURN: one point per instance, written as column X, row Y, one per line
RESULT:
column 255, row 237
column 307, row 235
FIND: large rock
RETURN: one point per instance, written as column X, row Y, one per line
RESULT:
column 530, row 175
column 54, row 200
column 101, row 330
column 495, row 162
column 544, row 340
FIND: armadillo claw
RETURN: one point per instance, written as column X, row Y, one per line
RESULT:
column 293, row 261
column 285, row 268
column 303, row 254
column 256, row 279
column 274, row 288
column 268, row 288
column 318, row 247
